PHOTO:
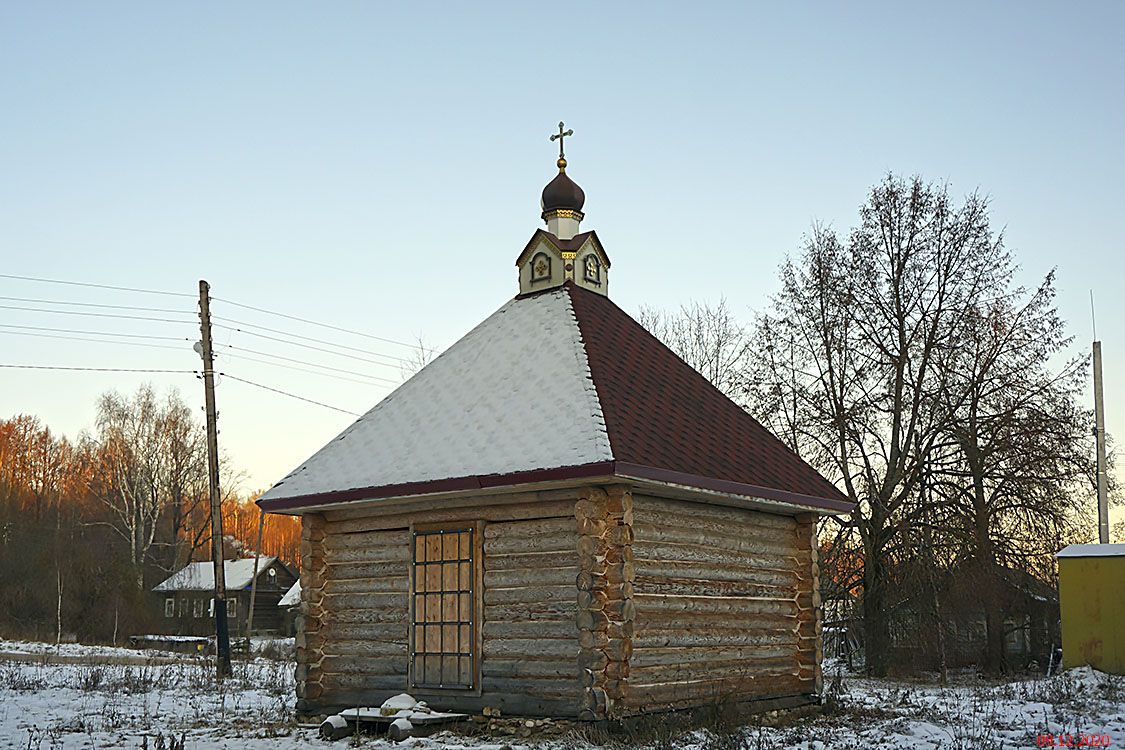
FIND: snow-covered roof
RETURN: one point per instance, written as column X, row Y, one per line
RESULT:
column 557, row 385
column 1093, row 550
column 200, row 576
column 514, row 394
column 292, row 597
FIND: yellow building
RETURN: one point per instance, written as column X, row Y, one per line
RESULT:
column 1092, row 600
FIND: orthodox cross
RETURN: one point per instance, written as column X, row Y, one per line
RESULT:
column 559, row 137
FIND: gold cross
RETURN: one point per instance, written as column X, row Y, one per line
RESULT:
column 559, row 137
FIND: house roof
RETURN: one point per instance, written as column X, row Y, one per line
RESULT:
column 558, row 385
column 1093, row 550
column 200, row 576
column 292, row 597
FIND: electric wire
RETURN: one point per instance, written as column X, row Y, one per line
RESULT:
column 298, row 369
column 287, row 393
column 315, row 323
column 96, row 333
column 92, row 340
column 93, row 314
column 297, row 336
column 95, row 286
column 100, row 305
column 310, row 364
column 319, row 348
column 96, row 369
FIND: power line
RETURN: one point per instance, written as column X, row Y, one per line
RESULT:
column 92, row 340
column 315, row 323
column 299, row 369
column 287, row 393
column 318, row 348
column 97, row 333
column 311, row 364
column 95, row 304
column 298, row 336
column 95, row 286
column 96, row 369
column 93, row 314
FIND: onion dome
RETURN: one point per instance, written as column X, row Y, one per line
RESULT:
column 562, row 193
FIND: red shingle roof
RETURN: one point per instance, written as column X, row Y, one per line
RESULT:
column 661, row 413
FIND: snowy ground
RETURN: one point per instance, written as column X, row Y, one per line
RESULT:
column 105, row 703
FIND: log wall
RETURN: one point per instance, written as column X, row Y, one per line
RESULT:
column 725, row 605
column 353, row 640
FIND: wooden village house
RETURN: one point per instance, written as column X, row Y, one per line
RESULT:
column 557, row 516
column 184, row 599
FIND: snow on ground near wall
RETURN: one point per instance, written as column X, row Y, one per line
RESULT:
column 64, row 706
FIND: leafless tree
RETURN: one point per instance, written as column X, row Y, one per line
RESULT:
column 849, row 356
column 709, row 338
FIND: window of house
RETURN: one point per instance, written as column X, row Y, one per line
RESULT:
column 197, row 608
column 183, row 607
column 232, row 609
column 170, row 607
column 443, row 636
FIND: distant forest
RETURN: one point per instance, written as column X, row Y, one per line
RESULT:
column 88, row 526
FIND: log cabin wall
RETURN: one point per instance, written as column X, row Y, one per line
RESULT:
column 353, row 643
column 725, row 605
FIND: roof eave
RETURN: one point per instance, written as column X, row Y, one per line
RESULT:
column 779, row 500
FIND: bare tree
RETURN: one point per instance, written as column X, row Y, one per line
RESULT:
column 849, row 357
column 708, row 338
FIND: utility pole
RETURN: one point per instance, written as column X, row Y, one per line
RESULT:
column 222, row 634
column 1099, row 432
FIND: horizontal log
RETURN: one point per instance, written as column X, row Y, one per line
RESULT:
column 371, row 666
column 717, row 571
column 562, row 576
column 695, row 553
column 702, row 637
column 763, row 540
column 479, row 508
column 511, row 704
column 529, row 594
column 372, row 554
column 565, row 670
column 657, row 622
column 545, row 688
column 335, row 603
column 661, row 603
column 702, row 587
column 360, row 616
column 706, row 516
column 371, row 631
column 556, row 527
column 527, row 561
column 380, row 585
column 554, row 648
column 499, row 630
column 523, row 544
column 335, row 683
column 681, row 693
column 766, row 657
column 347, row 571
column 530, row 612
column 391, row 644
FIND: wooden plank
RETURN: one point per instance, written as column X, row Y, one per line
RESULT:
column 695, row 692
column 371, row 666
column 524, row 544
column 531, row 612
column 729, row 571
column 388, row 643
column 394, row 584
column 701, row 587
column 367, row 616
column 335, row 603
column 545, row 688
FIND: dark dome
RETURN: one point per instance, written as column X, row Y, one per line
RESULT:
column 562, row 193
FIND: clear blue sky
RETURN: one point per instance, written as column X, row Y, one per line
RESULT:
column 378, row 166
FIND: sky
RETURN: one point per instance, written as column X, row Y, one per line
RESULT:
column 378, row 167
